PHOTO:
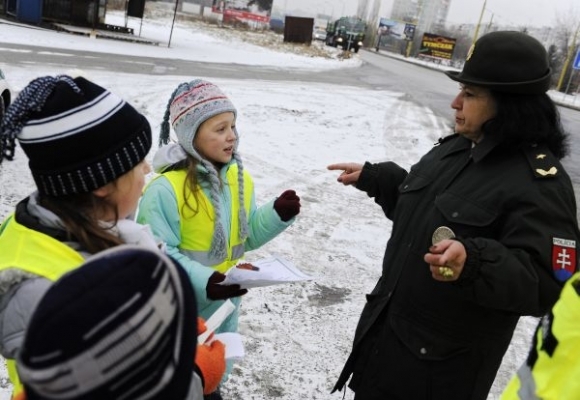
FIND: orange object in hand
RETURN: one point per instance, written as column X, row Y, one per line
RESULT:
column 211, row 361
column 201, row 328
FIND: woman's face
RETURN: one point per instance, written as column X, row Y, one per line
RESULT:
column 473, row 107
column 216, row 138
column 124, row 193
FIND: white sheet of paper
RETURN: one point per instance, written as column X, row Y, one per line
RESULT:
column 234, row 346
column 272, row 271
column 216, row 320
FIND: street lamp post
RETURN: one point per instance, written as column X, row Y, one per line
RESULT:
column 417, row 20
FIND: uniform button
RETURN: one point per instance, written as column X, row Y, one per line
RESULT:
column 455, row 214
column 423, row 350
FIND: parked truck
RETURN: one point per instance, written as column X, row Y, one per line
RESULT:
column 346, row 32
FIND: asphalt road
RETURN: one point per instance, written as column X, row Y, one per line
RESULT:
column 422, row 85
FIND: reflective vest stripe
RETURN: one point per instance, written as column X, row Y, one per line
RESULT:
column 36, row 253
column 527, row 388
column 203, row 257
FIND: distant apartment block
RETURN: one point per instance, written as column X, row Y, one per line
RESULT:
column 429, row 15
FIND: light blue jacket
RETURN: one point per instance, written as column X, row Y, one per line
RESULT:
column 158, row 209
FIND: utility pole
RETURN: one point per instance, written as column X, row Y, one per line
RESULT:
column 489, row 24
column 479, row 22
column 172, row 23
column 417, row 20
column 126, row 12
column 568, row 58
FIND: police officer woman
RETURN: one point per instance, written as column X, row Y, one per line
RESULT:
column 484, row 231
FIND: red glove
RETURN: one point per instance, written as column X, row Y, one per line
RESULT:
column 211, row 361
column 287, row 205
column 222, row 292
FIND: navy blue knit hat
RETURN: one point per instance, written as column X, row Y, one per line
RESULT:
column 77, row 135
column 122, row 326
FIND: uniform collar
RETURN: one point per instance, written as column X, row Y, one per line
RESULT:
column 479, row 151
column 457, row 143
column 483, row 148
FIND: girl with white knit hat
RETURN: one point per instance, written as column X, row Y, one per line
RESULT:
column 202, row 205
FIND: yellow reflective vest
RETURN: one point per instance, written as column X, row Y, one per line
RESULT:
column 36, row 253
column 551, row 370
column 197, row 227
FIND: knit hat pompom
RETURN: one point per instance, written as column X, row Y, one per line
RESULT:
column 121, row 326
column 77, row 135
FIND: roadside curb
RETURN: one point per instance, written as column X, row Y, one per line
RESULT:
column 102, row 34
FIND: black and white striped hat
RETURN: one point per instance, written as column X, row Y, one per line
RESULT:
column 77, row 135
column 121, row 327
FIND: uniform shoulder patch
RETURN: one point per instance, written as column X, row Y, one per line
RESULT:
column 564, row 261
column 542, row 162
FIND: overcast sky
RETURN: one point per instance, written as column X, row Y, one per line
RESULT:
column 517, row 12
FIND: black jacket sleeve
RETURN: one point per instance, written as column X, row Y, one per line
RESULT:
column 517, row 271
column 381, row 182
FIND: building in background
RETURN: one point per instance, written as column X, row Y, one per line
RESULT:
column 428, row 15
column 370, row 11
column 423, row 15
column 60, row 13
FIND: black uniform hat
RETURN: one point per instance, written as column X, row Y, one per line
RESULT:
column 122, row 326
column 506, row 61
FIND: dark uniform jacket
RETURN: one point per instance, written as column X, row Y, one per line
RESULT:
column 515, row 212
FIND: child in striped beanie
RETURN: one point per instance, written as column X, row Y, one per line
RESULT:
column 86, row 150
column 202, row 203
column 121, row 326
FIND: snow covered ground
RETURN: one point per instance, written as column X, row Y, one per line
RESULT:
column 297, row 336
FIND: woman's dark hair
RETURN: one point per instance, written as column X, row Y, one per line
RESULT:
column 527, row 119
column 77, row 212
